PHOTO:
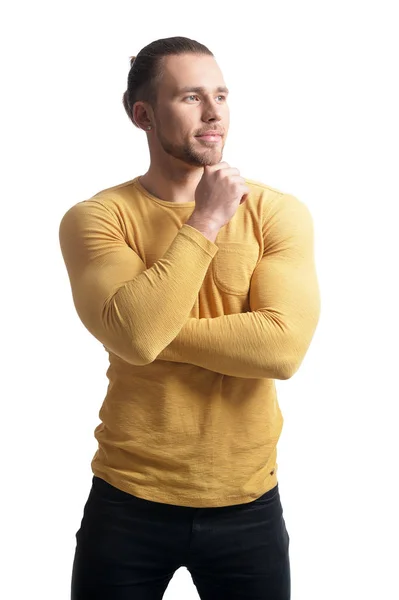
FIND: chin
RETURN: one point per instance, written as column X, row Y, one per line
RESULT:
column 214, row 161
column 208, row 161
column 209, row 156
column 212, row 155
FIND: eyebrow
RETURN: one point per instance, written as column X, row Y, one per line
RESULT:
column 200, row 90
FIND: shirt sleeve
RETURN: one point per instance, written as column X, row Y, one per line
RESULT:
column 271, row 341
column 133, row 311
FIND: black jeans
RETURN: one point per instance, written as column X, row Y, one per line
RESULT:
column 128, row 548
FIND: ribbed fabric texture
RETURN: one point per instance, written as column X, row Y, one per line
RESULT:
column 196, row 334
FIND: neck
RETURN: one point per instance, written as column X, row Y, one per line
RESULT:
column 173, row 185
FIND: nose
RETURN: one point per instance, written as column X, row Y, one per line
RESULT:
column 211, row 112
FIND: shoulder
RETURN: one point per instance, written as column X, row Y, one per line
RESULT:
column 116, row 196
column 107, row 202
column 118, row 190
column 273, row 200
column 259, row 187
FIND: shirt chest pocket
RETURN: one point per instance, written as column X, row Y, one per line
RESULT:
column 233, row 265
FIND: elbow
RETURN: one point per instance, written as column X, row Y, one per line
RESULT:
column 143, row 351
column 293, row 344
column 293, row 356
column 286, row 370
column 137, row 354
column 131, row 354
column 121, row 337
column 141, row 358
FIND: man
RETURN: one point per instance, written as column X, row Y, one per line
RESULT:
column 201, row 285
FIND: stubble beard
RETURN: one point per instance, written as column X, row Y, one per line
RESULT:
column 190, row 155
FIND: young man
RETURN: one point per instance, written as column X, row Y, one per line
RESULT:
column 201, row 285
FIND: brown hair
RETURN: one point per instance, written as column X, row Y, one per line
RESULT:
column 146, row 69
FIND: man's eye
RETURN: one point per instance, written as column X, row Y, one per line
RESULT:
column 195, row 96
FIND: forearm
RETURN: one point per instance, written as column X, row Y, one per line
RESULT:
column 249, row 345
column 161, row 307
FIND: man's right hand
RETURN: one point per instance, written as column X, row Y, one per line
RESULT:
column 219, row 193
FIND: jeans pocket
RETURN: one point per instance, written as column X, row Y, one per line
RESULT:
column 105, row 491
column 268, row 496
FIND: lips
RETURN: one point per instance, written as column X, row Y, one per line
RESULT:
column 210, row 137
column 210, row 133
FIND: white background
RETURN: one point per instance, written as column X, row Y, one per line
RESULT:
column 314, row 112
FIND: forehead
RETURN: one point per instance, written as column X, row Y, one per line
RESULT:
column 190, row 70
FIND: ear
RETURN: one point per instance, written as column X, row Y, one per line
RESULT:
column 142, row 115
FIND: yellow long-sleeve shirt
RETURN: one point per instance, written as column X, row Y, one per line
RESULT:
column 196, row 334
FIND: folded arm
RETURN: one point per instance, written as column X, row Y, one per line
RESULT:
column 134, row 311
column 272, row 340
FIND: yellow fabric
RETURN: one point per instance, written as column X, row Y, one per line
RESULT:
column 196, row 334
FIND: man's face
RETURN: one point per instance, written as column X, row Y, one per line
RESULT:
column 183, row 113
